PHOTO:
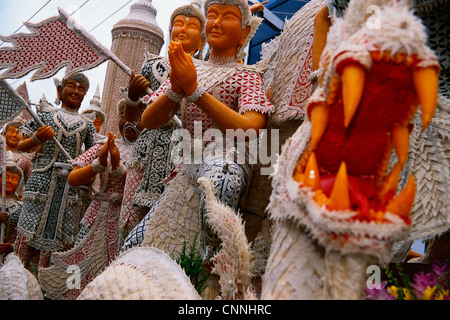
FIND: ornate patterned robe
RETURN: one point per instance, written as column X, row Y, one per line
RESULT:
column 98, row 240
column 13, row 209
column 51, row 212
column 150, row 162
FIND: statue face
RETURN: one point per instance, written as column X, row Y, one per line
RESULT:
column 72, row 94
column 12, row 137
column 12, row 182
column 224, row 28
column 188, row 31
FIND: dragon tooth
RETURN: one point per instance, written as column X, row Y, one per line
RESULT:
column 411, row 60
column 301, row 164
column 319, row 115
column 340, row 196
column 383, row 167
column 269, row 93
column 376, row 56
column 391, row 181
column 426, row 84
column 402, row 204
column 312, row 176
column 353, row 77
column 400, row 141
column 298, row 176
column 379, row 216
column 387, row 56
column 320, row 198
column 399, row 58
column 333, row 89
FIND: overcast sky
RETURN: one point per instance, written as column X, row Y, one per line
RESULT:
column 13, row 13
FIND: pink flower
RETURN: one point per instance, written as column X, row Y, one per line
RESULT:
column 421, row 282
column 379, row 294
column 441, row 273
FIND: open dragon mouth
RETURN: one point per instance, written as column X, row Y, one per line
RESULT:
column 366, row 115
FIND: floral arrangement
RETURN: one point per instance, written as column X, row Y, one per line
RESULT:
column 433, row 285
